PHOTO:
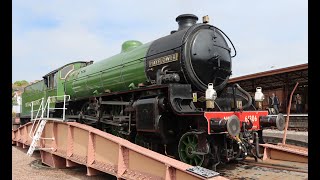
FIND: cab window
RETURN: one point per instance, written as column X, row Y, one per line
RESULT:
column 65, row 71
column 50, row 81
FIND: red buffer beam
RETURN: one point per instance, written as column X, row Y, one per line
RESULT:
column 75, row 144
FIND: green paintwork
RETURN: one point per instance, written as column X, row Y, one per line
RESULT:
column 112, row 74
column 129, row 45
column 61, row 80
column 31, row 93
column 117, row 73
column 40, row 90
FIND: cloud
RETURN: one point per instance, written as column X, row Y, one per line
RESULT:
column 49, row 34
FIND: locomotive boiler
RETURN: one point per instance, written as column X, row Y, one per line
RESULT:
column 195, row 54
column 168, row 95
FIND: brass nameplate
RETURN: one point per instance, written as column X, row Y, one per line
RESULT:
column 163, row 60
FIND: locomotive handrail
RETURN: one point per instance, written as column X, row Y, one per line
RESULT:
column 121, row 65
column 108, row 69
column 235, row 51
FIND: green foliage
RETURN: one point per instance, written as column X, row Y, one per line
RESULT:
column 21, row 83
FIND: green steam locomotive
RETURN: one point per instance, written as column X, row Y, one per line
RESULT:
column 168, row 95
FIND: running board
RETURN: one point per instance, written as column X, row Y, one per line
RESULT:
column 77, row 144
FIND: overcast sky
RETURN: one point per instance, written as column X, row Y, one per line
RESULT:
column 48, row 34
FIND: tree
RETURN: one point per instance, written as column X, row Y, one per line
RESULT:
column 21, row 83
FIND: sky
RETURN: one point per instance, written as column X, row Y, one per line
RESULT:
column 49, row 34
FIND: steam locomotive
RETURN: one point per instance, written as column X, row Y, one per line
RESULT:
column 169, row 95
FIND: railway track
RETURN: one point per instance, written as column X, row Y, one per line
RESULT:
column 298, row 129
column 297, row 122
column 276, row 140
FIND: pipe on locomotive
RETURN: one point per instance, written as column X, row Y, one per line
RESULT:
column 247, row 94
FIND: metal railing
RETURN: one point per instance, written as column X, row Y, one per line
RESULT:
column 47, row 108
column 40, row 108
column 63, row 108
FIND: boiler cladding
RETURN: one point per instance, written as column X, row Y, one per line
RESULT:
column 196, row 54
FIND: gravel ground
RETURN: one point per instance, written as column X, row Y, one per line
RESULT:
column 23, row 168
column 251, row 172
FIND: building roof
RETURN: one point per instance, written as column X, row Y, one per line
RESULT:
column 274, row 78
column 271, row 72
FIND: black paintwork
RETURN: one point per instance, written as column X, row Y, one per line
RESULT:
column 204, row 57
column 147, row 114
column 186, row 20
column 180, row 97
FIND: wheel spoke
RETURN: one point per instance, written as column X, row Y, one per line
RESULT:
column 183, row 154
column 184, row 143
column 187, row 144
column 199, row 157
column 196, row 161
column 193, row 139
column 188, row 137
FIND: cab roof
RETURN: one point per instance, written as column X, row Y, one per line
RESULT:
column 56, row 70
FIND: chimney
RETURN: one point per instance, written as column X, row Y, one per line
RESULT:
column 186, row 20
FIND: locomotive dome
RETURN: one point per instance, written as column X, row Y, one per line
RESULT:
column 129, row 45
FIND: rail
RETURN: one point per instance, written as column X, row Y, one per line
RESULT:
column 292, row 115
